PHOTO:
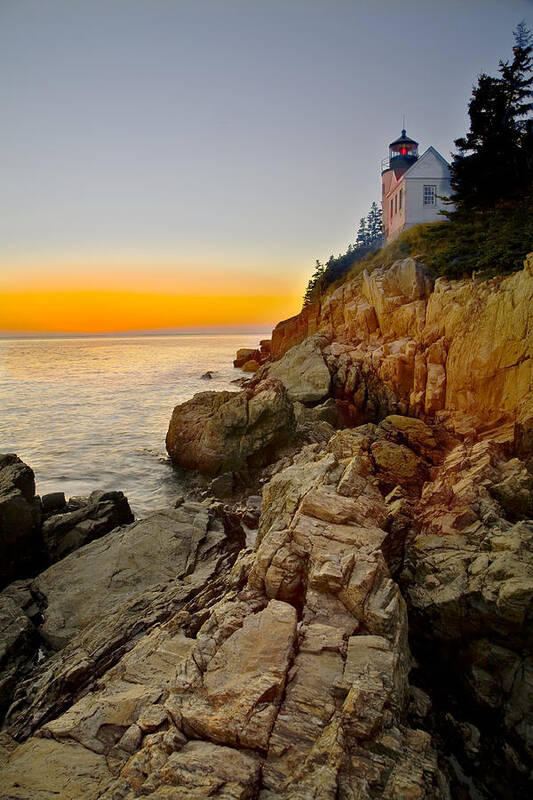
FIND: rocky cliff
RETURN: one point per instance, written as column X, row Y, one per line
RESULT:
column 374, row 638
column 456, row 352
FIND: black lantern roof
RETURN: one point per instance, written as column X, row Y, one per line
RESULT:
column 403, row 139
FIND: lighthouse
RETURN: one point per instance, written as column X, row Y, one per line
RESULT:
column 403, row 152
column 413, row 188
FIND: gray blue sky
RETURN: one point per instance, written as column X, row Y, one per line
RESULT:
column 188, row 144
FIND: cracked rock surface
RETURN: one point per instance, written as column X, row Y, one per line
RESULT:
column 376, row 641
column 295, row 685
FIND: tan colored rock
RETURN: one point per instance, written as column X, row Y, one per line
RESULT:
column 241, row 688
column 243, row 355
column 216, row 432
column 397, row 464
column 292, row 331
column 303, row 371
column 202, row 769
column 250, row 366
column 99, row 721
column 406, row 283
column 42, row 769
column 462, row 347
column 291, row 685
column 416, row 434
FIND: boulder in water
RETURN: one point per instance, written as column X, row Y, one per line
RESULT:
column 218, row 432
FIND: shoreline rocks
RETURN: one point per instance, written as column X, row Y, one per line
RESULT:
column 35, row 533
column 21, row 545
column 217, row 432
column 363, row 629
column 250, row 359
column 82, row 520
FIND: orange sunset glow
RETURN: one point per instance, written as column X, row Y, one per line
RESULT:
column 99, row 311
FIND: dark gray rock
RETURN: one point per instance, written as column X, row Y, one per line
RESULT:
column 21, row 545
column 18, row 644
column 222, row 485
column 54, row 501
column 84, row 520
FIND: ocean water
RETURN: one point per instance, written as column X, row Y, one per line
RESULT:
column 92, row 413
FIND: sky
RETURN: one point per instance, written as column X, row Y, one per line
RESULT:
column 178, row 163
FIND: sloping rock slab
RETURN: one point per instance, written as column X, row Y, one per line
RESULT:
column 93, row 581
column 303, row 371
column 170, row 561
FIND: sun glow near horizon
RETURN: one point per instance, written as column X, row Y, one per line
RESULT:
column 118, row 293
column 102, row 311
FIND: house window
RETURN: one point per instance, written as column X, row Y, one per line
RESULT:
column 396, row 204
column 430, row 194
column 401, row 199
column 391, row 206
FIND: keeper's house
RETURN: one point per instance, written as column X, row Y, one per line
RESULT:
column 412, row 187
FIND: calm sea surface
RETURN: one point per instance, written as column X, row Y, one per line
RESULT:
column 90, row 413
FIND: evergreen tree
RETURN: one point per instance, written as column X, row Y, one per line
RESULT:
column 314, row 283
column 361, row 238
column 374, row 224
column 494, row 159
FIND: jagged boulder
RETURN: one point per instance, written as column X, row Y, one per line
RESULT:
column 243, row 355
column 21, row 544
column 398, row 296
column 82, row 520
column 217, row 432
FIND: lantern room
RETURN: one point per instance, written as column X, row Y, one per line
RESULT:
column 402, row 152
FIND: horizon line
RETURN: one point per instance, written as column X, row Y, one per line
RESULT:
column 136, row 332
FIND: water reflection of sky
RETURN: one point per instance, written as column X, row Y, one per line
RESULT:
column 93, row 413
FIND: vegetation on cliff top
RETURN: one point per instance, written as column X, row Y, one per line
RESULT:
column 490, row 230
column 369, row 239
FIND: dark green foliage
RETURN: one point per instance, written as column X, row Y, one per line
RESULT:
column 374, row 222
column 490, row 242
column 495, row 158
column 362, row 234
column 491, row 229
column 314, row 282
column 487, row 243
